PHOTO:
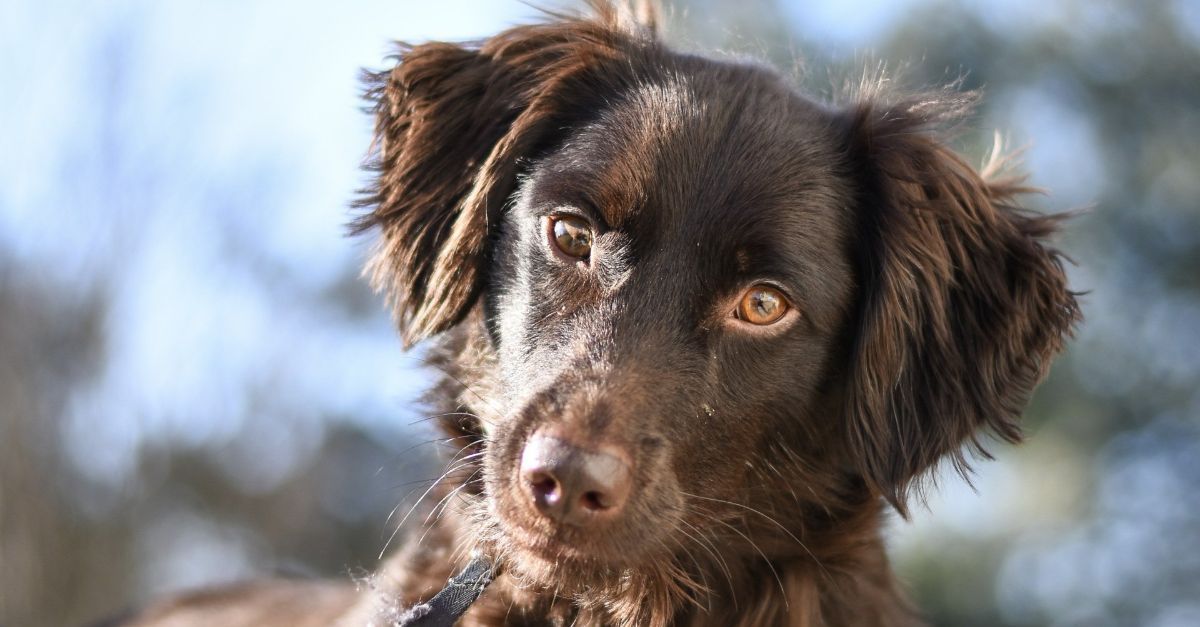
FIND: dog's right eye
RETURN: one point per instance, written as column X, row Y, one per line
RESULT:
column 762, row 305
column 572, row 236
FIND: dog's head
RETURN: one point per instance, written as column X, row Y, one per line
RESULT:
column 707, row 307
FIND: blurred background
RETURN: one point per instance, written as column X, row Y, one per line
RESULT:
column 196, row 386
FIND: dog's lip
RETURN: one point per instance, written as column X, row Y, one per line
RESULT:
column 553, row 547
column 548, row 546
column 549, row 549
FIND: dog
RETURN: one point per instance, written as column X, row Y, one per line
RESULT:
column 699, row 333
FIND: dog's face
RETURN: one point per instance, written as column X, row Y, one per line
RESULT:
column 668, row 290
column 707, row 314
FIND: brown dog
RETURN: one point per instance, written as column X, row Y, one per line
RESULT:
column 698, row 331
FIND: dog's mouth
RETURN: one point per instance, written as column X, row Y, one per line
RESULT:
column 558, row 548
column 570, row 562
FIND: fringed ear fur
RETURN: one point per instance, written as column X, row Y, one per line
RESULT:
column 452, row 125
column 963, row 302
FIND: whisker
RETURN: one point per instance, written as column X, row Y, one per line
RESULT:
column 400, row 525
column 445, row 500
column 771, row 566
column 769, row 519
column 444, row 503
column 429, row 482
column 723, row 565
column 707, row 590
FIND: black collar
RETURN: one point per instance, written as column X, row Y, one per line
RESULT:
column 447, row 606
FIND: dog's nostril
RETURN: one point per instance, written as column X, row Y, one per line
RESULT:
column 544, row 487
column 594, row 501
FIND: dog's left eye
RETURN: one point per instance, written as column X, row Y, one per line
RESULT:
column 761, row 305
column 572, row 236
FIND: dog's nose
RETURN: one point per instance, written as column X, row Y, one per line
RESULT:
column 574, row 485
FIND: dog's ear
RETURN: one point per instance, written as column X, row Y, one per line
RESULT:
column 453, row 124
column 963, row 304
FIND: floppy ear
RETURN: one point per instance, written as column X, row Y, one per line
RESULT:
column 453, row 123
column 963, row 303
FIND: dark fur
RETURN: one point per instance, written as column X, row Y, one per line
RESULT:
column 931, row 307
column 764, row 459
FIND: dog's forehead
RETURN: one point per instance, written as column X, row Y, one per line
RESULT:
column 721, row 159
column 704, row 146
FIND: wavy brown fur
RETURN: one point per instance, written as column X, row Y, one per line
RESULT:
column 960, row 308
column 963, row 304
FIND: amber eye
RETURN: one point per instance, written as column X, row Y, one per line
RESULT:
column 762, row 305
column 572, row 236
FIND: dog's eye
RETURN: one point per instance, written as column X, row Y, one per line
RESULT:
column 761, row 305
column 572, row 236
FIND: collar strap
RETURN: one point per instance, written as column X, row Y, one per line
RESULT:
column 447, row 606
